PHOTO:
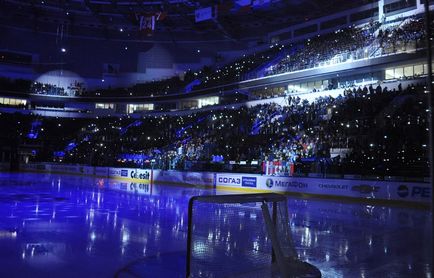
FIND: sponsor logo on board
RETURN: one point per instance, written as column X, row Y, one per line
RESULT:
column 333, row 186
column 62, row 168
column 365, row 189
column 124, row 173
column 416, row 191
column 269, row 183
column 248, row 182
column 284, row 183
column 197, row 179
column 141, row 176
column 229, row 180
column 114, row 172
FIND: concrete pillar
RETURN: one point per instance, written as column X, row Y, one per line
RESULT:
column 419, row 6
column 381, row 10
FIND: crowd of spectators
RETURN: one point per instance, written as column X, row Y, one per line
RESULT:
column 351, row 43
column 201, row 79
column 39, row 88
column 341, row 45
column 403, row 36
column 237, row 70
column 310, row 53
column 368, row 130
column 76, row 88
column 376, row 131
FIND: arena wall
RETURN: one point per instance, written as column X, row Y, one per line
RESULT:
column 375, row 191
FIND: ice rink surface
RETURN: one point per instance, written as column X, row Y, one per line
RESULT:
column 70, row 226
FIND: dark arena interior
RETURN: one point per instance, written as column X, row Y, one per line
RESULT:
column 216, row 138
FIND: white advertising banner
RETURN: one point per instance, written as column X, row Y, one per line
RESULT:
column 141, row 175
column 238, row 181
column 353, row 188
column 188, row 178
column 383, row 190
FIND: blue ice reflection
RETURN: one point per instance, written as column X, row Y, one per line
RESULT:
column 69, row 226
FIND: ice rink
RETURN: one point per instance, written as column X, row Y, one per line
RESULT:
column 70, row 226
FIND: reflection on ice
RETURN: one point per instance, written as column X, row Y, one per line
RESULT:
column 69, row 226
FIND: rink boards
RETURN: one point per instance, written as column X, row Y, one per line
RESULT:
column 373, row 190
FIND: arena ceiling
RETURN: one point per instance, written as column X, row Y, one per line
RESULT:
column 120, row 19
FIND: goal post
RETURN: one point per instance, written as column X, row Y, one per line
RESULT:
column 242, row 235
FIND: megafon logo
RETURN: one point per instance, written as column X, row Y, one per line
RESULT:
column 403, row 191
column 269, row 183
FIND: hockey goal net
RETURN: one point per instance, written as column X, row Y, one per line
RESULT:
column 242, row 235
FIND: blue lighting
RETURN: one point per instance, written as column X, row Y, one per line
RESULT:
column 35, row 129
column 53, row 223
column 124, row 130
column 70, row 146
column 59, row 154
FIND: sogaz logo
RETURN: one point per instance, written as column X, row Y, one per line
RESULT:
column 269, row 183
column 229, row 180
column 124, row 173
